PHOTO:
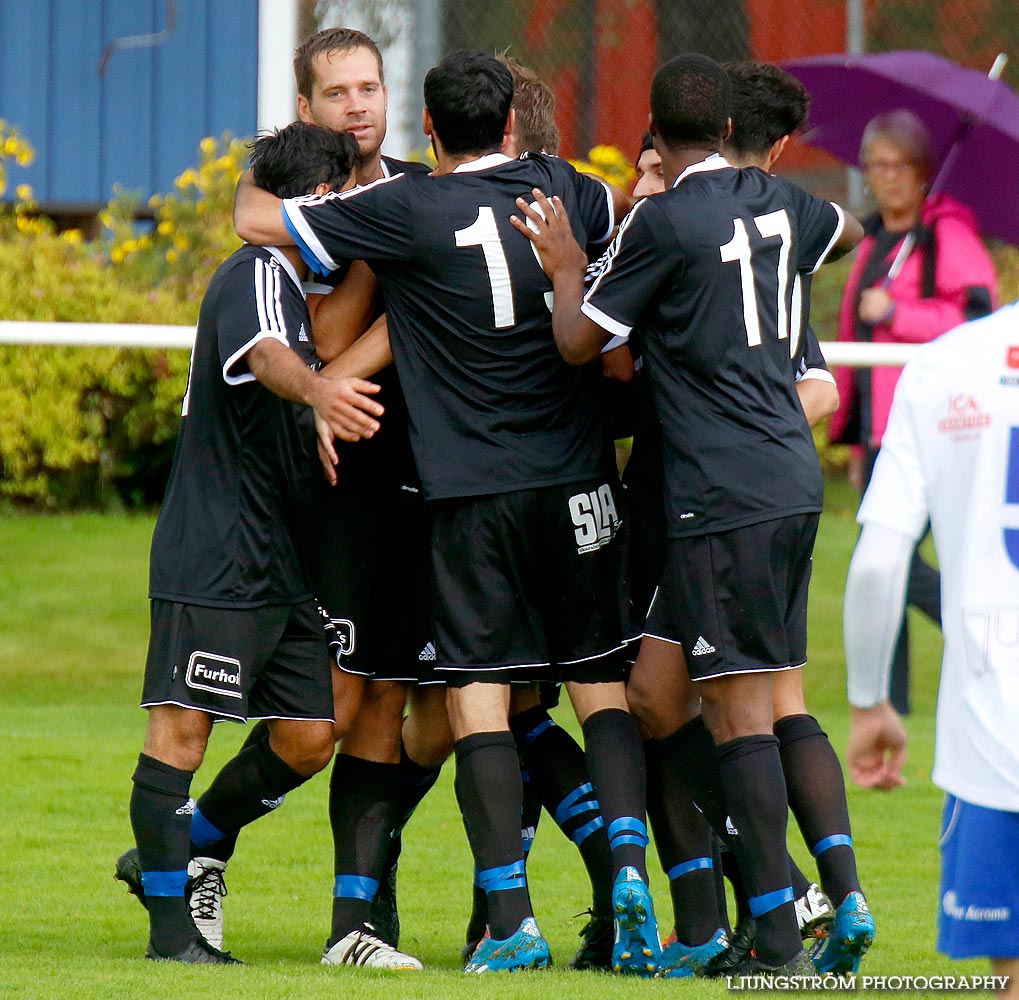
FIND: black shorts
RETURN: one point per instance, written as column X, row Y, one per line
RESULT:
column 239, row 663
column 528, row 585
column 369, row 567
column 737, row 600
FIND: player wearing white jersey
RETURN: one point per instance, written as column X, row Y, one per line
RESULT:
column 951, row 453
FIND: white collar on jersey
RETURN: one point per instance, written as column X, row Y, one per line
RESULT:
column 482, row 163
column 287, row 266
column 713, row 162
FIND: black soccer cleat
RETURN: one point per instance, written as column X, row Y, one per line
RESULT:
column 595, row 951
column 740, row 948
column 799, row 966
column 129, row 871
column 199, row 952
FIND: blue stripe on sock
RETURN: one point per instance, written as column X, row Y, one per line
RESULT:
column 689, row 866
column 583, row 832
column 203, row 832
column 627, row 830
column 532, row 735
column 759, row 905
column 512, row 876
column 355, row 887
column 164, row 883
column 835, row 840
column 568, row 807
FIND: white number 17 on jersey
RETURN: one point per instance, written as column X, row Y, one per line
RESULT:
column 738, row 249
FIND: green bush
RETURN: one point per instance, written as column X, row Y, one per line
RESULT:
column 96, row 426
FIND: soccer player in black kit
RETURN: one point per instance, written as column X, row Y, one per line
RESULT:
column 514, row 465
column 708, row 268
column 235, row 631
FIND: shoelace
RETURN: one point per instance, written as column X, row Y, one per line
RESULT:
column 364, row 947
column 207, row 889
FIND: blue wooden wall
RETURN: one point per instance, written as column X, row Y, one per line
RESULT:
column 139, row 124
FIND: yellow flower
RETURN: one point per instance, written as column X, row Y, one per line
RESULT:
column 117, row 255
column 145, row 242
column 24, row 192
column 181, row 242
column 11, row 145
column 129, row 246
column 208, row 145
column 72, row 236
column 165, row 227
column 172, row 256
column 186, row 179
column 106, row 218
column 25, row 156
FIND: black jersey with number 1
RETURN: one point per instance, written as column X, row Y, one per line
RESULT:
column 707, row 270
column 492, row 405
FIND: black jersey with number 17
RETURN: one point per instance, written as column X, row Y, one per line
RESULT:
column 492, row 405
column 707, row 270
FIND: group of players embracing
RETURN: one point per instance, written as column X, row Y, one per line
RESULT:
column 465, row 556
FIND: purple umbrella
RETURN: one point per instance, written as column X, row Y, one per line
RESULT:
column 973, row 122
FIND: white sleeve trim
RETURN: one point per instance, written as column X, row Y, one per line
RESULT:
column 237, row 355
column 834, row 239
column 874, row 603
column 305, row 234
column 820, row 374
column 613, row 343
column 607, row 323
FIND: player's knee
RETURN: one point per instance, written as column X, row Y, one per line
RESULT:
column 305, row 748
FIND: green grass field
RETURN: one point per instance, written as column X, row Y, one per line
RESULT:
column 73, row 630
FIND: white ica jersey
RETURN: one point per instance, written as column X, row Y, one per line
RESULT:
column 951, row 453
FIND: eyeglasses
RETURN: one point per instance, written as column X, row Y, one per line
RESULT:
column 889, row 166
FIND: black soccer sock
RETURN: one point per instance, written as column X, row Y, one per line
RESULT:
column 683, row 839
column 690, row 755
column 416, row 781
column 161, row 809
column 362, row 812
column 557, row 770
column 754, row 788
column 739, row 890
column 223, row 850
column 489, row 794
column 615, row 761
column 817, row 797
column 249, row 786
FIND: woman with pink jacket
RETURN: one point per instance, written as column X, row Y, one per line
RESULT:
column 948, row 278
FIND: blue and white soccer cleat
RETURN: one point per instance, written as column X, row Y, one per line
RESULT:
column 847, row 939
column 526, row 949
column 680, row 961
column 637, row 950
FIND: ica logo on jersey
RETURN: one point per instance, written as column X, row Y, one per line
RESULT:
column 595, row 517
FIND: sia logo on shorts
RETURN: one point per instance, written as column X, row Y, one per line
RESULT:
column 595, row 516
column 212, row 672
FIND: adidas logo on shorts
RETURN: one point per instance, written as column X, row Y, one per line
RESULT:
column 702, row 647
column 428, row 653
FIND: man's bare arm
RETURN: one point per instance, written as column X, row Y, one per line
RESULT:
column 345, row 405
column 849, row 238
column 343, row 315
column 258, row 215
column 578, row 338
column 369, row 354
column 818, row 397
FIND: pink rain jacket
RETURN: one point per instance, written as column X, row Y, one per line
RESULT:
column 962, row 263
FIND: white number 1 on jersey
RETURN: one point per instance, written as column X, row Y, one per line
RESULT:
column 483, row 232
column 738, row 249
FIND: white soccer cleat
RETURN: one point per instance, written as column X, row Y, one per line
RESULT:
column 206, row 889
column 363, row 949
column 814, row 911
